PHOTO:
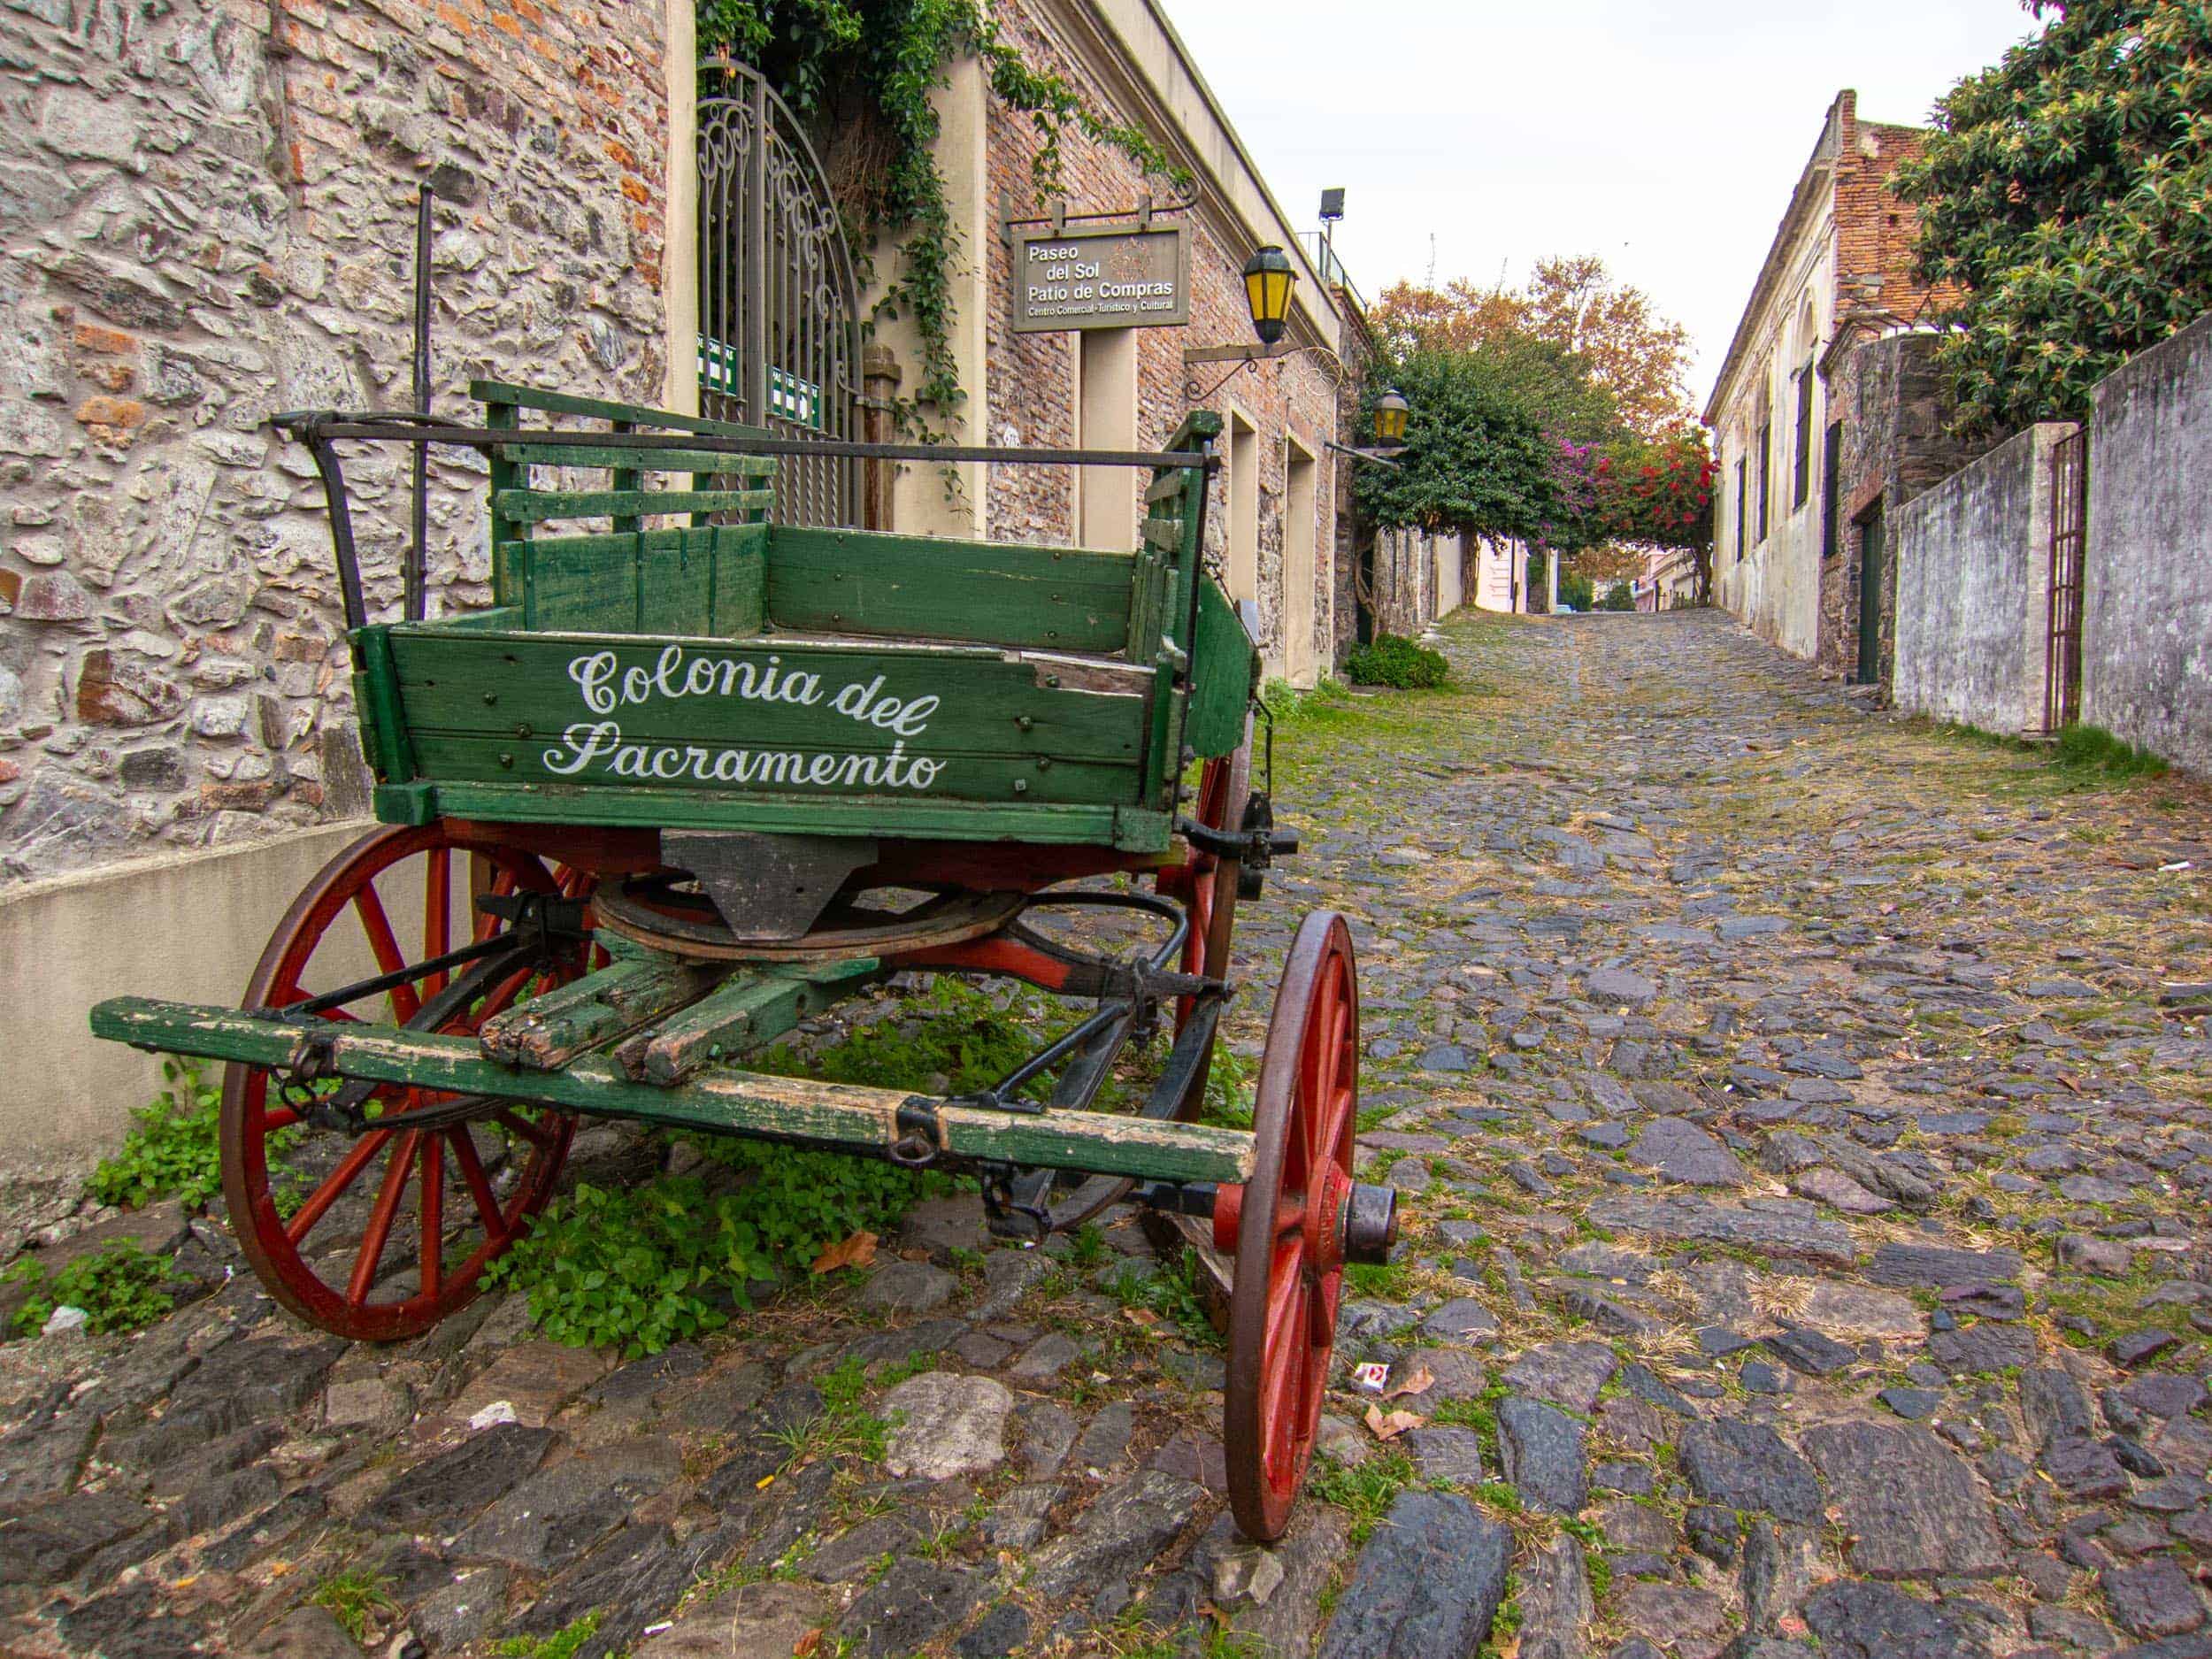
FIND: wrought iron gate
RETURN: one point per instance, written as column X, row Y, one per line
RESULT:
column 778, row 309
column 2070, row 543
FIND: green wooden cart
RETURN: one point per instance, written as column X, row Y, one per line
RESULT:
column 695, row 776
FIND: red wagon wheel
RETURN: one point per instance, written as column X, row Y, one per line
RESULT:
column 330, row 1226
column 1288, row 1228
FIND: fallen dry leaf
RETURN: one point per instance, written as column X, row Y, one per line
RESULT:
column 1140, row 1316
column 1388, row 1428
column 1421, row 1380
column 857, row 1251
column 809, row 1644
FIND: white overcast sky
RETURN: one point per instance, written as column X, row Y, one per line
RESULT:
column 1664, row 135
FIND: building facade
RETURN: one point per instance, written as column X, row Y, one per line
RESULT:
column 1270, row 533
column 207, row 216
column 1839, row 270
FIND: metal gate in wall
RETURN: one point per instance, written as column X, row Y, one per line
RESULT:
column 2069, row 544
column 779, row 307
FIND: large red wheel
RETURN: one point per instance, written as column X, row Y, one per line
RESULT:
column 379, row 1236
column 1289, row 1228
column 1207, row 884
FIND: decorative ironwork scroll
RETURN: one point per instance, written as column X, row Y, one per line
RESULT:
column 778, row 307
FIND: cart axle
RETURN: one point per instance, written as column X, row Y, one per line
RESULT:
column 847, row 1117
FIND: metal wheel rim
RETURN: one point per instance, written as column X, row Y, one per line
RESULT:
column 623, row 909
column 436, row 1164
column 1289, row 1272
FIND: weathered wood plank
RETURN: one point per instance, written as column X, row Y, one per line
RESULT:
column 378, row 704
column 484, row 686
column 1130, row 829
column 600, row 409
column 534, row 506
column 1223, row 677
column 548, row 1032
column 740, row 1017
column 835, row 1115
column 732, row 771
column 858, row 581
column 584, row 453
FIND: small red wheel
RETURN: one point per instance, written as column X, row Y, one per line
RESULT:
column 1289, row 1227
column 1207, row 884
column 327, row 1225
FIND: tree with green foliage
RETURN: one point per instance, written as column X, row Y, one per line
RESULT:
column 2064, row 194
column 1497, row 444
column 860, row 73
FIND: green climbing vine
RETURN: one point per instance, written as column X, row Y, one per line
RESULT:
column 860, row 73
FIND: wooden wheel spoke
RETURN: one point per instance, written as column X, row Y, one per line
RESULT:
column 333, row 1184
column 479, row 1184
column 437, row 915
column 384, row 946
column 433, row 1182
column 382, row 1215
column 537, row 1134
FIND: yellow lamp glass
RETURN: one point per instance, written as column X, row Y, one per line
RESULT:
column 1391, row 412
column 1269, row 278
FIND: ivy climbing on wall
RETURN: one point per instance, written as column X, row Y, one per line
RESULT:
column 860, row 74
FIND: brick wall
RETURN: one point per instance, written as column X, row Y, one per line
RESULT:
column 1874, row 229
column 1032, row 377
column 199, row 227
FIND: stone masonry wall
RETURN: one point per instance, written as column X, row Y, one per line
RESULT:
column 1032, row 377
column 201, row 225
column 1896, row 443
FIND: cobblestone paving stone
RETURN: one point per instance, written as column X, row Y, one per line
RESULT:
column 1804, row 1123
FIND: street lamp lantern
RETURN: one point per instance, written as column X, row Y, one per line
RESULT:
column 1391, row 411
column 1269, row 278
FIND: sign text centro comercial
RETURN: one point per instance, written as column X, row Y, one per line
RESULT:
column 1104, row 276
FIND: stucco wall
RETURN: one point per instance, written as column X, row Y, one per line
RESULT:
column 1973, row 566
column 2146, row 607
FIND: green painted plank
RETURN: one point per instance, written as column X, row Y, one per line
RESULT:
column 1164, row 531
column 708, row 581
column 377, row 706
column 510, row 581
column 861, row 699
column 858, row 581
column 732, row 772
column 504, row 392
column 534, row 506
column 1222, row 676
column 550, row 1030
column 743, row 1016
column 1130, row 829
column 411, row 804
column 583, row 453
column 832, row 1115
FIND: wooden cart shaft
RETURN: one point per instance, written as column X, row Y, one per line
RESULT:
column 835, row 1116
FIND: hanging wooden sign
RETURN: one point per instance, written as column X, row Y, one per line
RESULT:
column 1100, row 276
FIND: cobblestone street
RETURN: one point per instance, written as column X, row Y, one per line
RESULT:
column 1803, row 1122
